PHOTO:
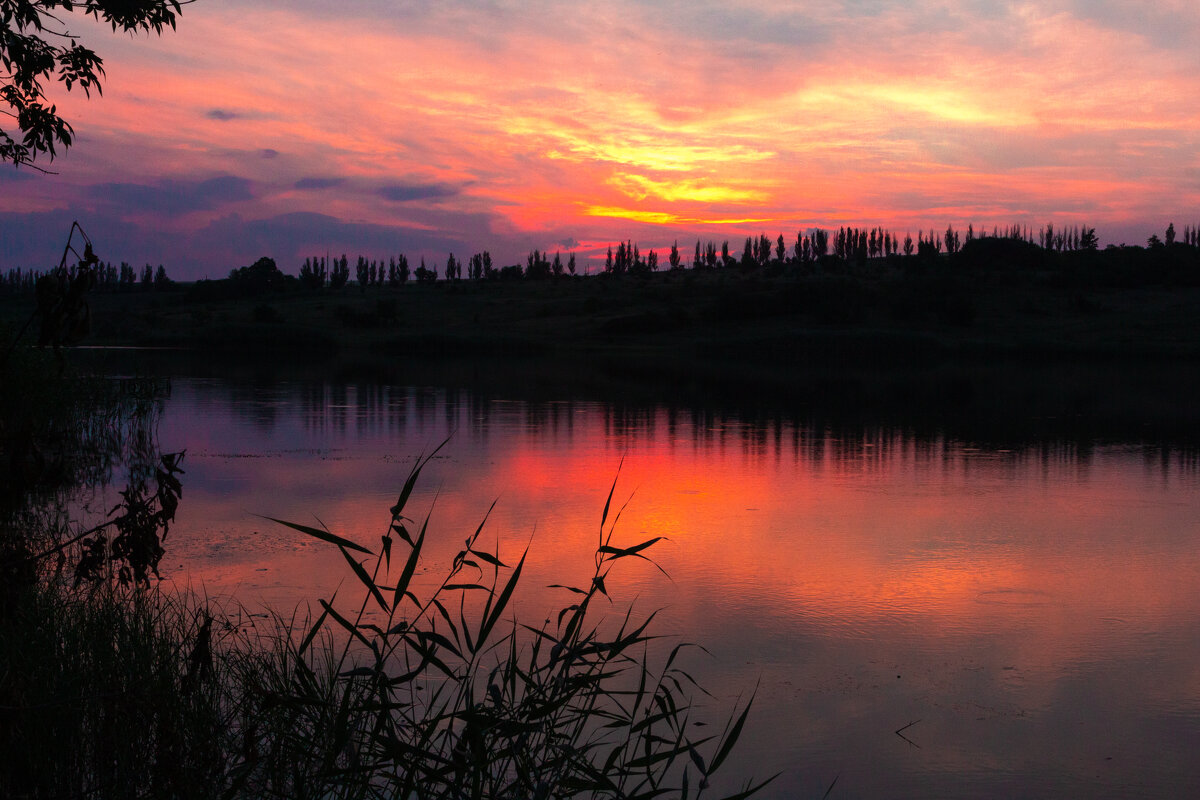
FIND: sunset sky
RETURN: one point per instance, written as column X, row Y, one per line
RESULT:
column 377, row 127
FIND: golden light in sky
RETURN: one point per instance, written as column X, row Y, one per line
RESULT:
column 379, row 128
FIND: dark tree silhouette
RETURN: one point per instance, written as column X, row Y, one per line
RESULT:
column 424, row 274
column 953, row 243
column 362, row 271
column 1170, row 234
column 261, row 276
column 762, row 250
column 537, row 266
column 37, row 47
column 820, row 239
column 340, row 275
column 1088, row 240
column 571, row 264
column 313, row 273
column 623, row 259
column 674, row 260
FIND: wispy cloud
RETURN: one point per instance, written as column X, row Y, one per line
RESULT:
column 319, row 183
column 171, row 197
column 405, row 192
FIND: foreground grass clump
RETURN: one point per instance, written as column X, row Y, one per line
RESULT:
column 100, row 697
column 122, row 691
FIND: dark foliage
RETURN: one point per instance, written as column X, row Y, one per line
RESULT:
column 36, row 47
column 141, row 521
column 259, row 279
column 1000, row 253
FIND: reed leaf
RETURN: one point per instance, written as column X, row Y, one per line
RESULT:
column 731, row 735
column 398, row 509
column 365, row 580
column 323, row 535
column 316, row 627
column 492, row 617
column 441, row 609
column 621, row 552
column 346, row 624
column 410, row 566
column 387, row 550
column 750, row 791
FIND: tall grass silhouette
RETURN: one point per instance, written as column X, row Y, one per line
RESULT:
column 436, row 694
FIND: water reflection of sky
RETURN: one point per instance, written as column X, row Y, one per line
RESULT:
column 1034, row 610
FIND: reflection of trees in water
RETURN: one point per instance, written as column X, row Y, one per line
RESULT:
column 96, row 428
column 863, row 447
column 840, row 421
column 257, row 402
column 97, row 432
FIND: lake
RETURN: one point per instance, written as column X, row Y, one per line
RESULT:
column 926, row 609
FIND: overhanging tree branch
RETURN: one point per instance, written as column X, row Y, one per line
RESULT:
column 37, row 48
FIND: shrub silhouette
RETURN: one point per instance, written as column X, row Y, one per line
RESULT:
column 1000, row 253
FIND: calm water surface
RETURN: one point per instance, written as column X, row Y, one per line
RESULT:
column 1031, row 614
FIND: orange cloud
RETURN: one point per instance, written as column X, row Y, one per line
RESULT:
column 560, row 126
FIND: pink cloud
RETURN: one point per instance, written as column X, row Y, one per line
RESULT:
column 734, row 120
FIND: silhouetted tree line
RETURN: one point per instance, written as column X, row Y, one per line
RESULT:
column 816, row 248
column 107, row 278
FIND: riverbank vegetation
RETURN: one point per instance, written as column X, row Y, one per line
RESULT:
column 113, row 687
column 112, row 690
